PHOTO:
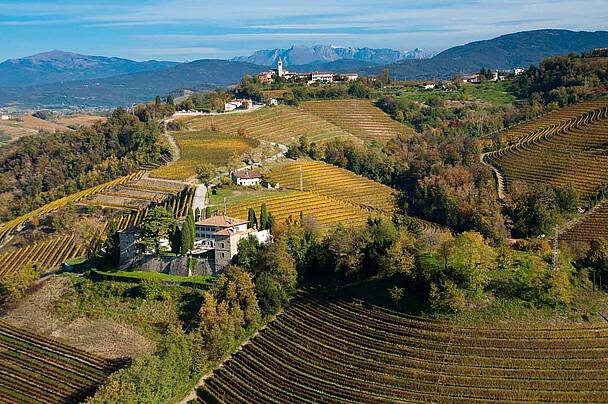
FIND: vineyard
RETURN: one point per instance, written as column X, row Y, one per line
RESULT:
column 346, row 351
column 358, row 117
column 8, row 227
column 592, row 226
column 50, row 253
column 35, row 369
column 336, row 183
column 572, row 151
column 278, row 124
column 203, row 146
column 327, row 211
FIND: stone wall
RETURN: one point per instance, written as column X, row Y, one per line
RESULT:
column 173, row 265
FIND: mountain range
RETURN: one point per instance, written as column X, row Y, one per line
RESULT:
column 303, row 55
column 66, row 80
column 55, row 66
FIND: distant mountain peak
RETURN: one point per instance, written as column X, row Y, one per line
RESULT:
column 302, row 55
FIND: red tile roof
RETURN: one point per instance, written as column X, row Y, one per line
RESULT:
column 221, row 221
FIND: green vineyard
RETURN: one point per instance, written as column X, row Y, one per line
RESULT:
column 327, row 211
column 358, row 117
column 336, row 183
column 278, row 124
column 35, row 369
column 336, row 351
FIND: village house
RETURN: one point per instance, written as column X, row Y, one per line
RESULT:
column 247, row 177
column 5, row 117
column 518, row 71
column 238, row 103
column 473, row 78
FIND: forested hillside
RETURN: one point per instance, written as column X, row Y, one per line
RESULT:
column 39, row 169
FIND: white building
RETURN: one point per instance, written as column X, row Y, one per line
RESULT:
column 247, row 177
column 474, row 78
column 5, row 117
column 322, row 77
column 223, row 234
column 280, row 71
column 205, row 229
column 238, row 103
column 518, row 71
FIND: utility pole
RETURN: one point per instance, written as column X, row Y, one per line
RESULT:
column 556, row 248
column 301, row 179
column 225, row 207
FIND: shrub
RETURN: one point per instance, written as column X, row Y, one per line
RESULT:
column 14, row 285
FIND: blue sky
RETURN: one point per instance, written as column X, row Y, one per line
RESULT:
column 188, row 30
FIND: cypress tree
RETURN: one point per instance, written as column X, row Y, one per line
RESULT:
column 197, row 214
column 252, row 219
column 269, row 222
column 176, row 240
column 191, row 230
column 185, row 238
column 263, row 217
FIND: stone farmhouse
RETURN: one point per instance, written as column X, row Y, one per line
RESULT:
column 247, row 177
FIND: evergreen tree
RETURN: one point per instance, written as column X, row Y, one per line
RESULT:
column 185, row 238
column 112, row 244
column 170, row 100
column 263, row 217
column 191, row 230
column 197, row 214
column 251, row 217
column 157, row 101
column 176, row 240
column 269, row 222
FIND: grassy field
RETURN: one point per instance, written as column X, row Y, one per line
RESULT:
column 203, row 146
column 358, row 117
column 280, row 124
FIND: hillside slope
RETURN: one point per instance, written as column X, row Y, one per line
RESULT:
column 520, row 49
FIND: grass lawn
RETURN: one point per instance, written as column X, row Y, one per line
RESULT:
column 497, row 94
column 154, row 276
column 197, row 147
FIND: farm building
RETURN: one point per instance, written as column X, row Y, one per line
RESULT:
column 247, row 177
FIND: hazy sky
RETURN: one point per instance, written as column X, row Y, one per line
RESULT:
column 183, row 30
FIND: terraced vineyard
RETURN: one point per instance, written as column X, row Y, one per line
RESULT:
column 359, row 117
column 8, row 227
column 203, row 146
column 563, row 150
column 328, row 211
column 280, row 124
column 50, row 253
column 344, row 351
column 592, row 226
column 335, row 182
column 35, row 369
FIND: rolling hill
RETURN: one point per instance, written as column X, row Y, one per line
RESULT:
column 130, row 88
column 505, row 52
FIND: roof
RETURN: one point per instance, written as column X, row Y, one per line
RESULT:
column 229, row 232
column 247, row 174
column 221, row 221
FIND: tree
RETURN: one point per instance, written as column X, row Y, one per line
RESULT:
column 170, row 100
column 157, row 224
column 597, row 259
column 263, row 217
column 197, row 214
column 473, row 258
column 234, row 162
column 15, row 284
column 157, row 101
column 112, row 244
column 205, row 172
column 252, row 219
column 87, row 232
column 396, row 294
column 188, row 233
column 175, row 239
